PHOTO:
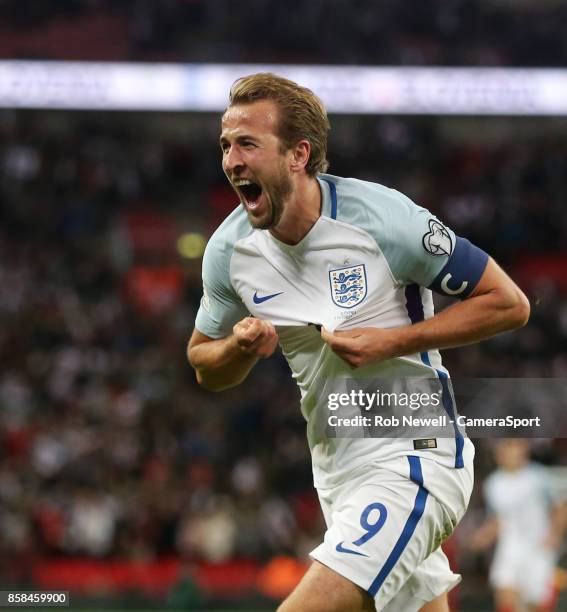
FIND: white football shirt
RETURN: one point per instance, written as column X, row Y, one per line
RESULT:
column 521, row 500
column 367, row 262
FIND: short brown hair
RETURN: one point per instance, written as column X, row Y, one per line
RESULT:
column 302, row 114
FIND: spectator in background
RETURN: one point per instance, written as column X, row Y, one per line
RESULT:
column 527, row 524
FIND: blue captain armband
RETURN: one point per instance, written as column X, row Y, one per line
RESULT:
column 461, row 273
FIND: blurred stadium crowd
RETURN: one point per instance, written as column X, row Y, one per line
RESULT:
column 107, row 446
column 462, row 32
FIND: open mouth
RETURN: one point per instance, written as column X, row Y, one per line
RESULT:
column 251, row 191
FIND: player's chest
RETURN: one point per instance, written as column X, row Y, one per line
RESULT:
column 517, row 495
column 329, row 285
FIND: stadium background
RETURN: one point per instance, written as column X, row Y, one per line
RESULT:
column 121, row 480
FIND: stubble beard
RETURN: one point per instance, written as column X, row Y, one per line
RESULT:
column 276, row 197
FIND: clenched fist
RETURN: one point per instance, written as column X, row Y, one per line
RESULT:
column 256, row 337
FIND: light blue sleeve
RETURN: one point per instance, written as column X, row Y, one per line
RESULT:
column 416, row 245
column 545, row 486
column 420, row 249
column 220, row 308
column 414, row 242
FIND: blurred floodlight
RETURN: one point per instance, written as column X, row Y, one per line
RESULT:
column 191, row 245
column 344, row 89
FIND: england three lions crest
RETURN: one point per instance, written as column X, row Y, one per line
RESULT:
column 348, row 285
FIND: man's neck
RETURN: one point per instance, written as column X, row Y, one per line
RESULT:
column 301, row 212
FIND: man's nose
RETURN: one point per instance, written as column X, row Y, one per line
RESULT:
column 233, row 160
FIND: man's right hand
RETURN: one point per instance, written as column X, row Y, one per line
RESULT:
column 226, row 362
column 256, row 337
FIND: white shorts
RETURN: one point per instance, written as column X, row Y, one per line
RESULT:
column 529, row 570
column 386, row 524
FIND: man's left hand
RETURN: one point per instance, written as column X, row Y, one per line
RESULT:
column 361, row 345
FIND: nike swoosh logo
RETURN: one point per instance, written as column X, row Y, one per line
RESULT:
column 259, row 299
column 341, row 548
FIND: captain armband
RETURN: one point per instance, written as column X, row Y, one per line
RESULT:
column 463, row 270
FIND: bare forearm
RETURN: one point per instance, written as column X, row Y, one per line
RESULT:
column 465, row 322
column 220, row 364
column 225, row 363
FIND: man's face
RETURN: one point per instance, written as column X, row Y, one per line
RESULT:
column 254, row 162
column 512, row 454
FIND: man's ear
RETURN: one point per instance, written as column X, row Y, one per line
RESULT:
column 300, row 155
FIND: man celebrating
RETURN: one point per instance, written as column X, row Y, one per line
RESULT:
column 340, row 272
